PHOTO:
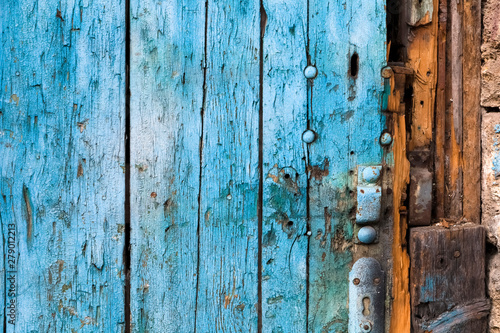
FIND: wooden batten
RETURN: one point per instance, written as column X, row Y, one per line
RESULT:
column 471, row 44
column 447, row 279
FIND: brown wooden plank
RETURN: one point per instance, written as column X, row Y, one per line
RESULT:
column 400, row 319
column 447, row 279
column 440, row 115
column 422, row 51
column 471, row 43
column 453, row 147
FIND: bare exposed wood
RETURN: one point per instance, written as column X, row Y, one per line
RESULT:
column 400, row 320
column 440, row 115
column 453, row 148
column 422, row 50
column 447, row 279
column 471, row 43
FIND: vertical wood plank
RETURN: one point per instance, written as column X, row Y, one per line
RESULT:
column 61, row 145
column 345, row 112
column 284, row 245
column 454, row 114
column 440, row 115
column 227, row 297
column 471, row 44
column 166, row 81
column 422, row 50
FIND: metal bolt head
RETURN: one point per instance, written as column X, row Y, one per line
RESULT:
column 386, row 139
column 371, row 174
column 387, row 72
column 309, row 136
column 310, row 72
column 456, row 254
column 376, row 281
column 367, row 235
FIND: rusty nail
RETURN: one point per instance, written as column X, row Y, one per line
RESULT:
column 456, row 254
column 355, row 281
column 387, row 72
column 386, row 139
column 376, row 281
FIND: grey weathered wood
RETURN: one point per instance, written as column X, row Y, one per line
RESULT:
column 447, row 279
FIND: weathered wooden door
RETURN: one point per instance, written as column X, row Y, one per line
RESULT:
column 190, row 166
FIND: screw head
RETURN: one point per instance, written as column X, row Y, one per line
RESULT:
column 310, row 72
column 309, row 136
column 367, row 235
column 386, row 139
column 366, row 327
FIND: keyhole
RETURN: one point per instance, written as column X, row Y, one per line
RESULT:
column 354, row 65
column 366, row 306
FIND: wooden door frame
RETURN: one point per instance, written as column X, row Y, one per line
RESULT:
column 444, row 116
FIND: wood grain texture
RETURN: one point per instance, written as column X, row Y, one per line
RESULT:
column 195, row 157
column 448, row 279
column 284, row 244
column 471, row 44
column 400, row 303
column 422, row 58
column 440, row 116
column 228, row 236
column 62, row 186
column 454, row 114
column 166, row 82
column 344, row 111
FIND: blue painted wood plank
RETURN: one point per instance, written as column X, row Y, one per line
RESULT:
column 61, row 145
column 345, row 112
column 227, row 297
column 166, row 75
column 284, row 245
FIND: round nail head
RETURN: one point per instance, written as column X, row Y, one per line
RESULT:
column 367, row 235
column 385, row 139
column 371, row 174
column 387, row 72
column 310, row 72
column 229, row 197
column 308, row 136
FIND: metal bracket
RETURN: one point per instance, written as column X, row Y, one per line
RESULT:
column 366, row 297
column 369, row 194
